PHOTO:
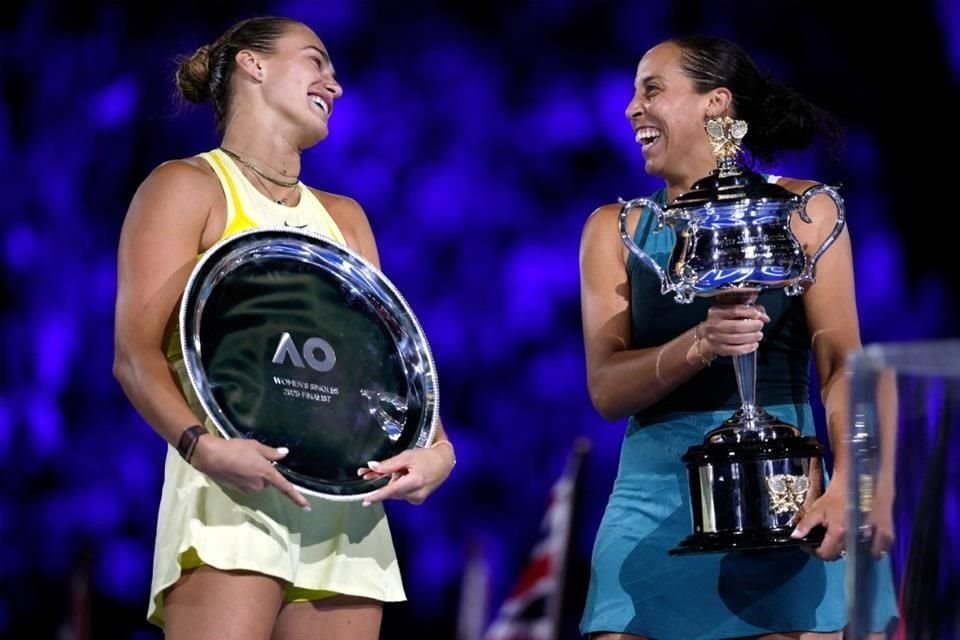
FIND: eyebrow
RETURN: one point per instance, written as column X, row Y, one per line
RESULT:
column 323, row 54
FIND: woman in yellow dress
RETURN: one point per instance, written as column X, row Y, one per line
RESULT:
column 240, row 553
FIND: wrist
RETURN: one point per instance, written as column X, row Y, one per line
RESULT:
column 187, row 443
column 449, row 445
column 701, row 352
column 838, row 474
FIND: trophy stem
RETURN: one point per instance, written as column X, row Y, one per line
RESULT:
column 745, row 367
column 751, row 421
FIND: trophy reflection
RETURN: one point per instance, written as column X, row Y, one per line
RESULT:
column 752, row 476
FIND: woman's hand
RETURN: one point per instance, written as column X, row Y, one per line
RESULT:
column 415, row 473
column 244, row 465
column 732, row 330
column 830, row 511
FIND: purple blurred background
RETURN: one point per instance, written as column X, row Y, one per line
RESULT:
column 478, row 137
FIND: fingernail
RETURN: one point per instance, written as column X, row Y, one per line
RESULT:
column 796, row 534
column 283, row 451
column 360, row 471
column 373, row 464
column 307, row 508
column 366, row 503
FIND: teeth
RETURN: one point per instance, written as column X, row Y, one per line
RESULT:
column 317, row 100
column 646, row 135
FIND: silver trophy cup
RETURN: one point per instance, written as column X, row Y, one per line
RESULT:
column 753, row 475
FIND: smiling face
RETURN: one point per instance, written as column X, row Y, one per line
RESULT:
column 299, row 83
column 667, row 116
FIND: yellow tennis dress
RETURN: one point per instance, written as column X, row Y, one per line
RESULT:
column 337, row 547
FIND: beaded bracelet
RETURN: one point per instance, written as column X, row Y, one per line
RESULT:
column 188, row 441
column 696, row 347
column 449, row 444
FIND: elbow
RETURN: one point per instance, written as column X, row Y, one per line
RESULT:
column 123, row 367
column 120, row 369
column 604, row 403
column 609, row 416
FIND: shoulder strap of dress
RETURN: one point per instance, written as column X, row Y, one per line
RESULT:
column 640, row 237
column 333, row 229
column 237, row 219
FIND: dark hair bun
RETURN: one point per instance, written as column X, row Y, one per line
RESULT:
column 193, row 75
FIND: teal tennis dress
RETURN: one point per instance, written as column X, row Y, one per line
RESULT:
column 635, row 586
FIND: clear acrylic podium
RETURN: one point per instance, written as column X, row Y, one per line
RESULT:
column 904, row 446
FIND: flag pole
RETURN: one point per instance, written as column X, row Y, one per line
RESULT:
column 472, row 613
column 534, row 609
column 581, row 447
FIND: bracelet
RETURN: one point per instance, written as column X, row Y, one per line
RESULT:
column 449, row 444
column 188, row 441
column 696, row 347
column 656, row 368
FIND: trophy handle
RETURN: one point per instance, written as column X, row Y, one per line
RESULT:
column 632, row 246
column 807, row 278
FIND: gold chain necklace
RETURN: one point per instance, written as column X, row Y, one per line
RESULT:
column 269, row 191
column 281, row 183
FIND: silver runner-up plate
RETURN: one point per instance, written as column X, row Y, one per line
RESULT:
column 296, row 341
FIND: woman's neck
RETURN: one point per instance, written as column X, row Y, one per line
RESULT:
column 274, row 154
column 681, row 182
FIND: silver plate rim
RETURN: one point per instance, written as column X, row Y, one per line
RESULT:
column 190, row 355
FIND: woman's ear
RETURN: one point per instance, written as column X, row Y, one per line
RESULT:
column 719, row 103
column 247, row 63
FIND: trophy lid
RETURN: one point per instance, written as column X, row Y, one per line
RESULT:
column 730, row 181
column 727, row 186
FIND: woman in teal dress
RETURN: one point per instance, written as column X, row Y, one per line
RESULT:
column 655, row 361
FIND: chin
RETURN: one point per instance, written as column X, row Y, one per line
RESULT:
column 314, row 136
column 653, row 168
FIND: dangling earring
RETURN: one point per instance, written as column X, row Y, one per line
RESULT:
column 725, row 135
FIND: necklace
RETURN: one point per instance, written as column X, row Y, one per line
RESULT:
column 269, row 191
column 249, row 165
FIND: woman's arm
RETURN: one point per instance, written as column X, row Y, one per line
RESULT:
column 831, row 314
column 623, row 381
column 159, row 243
column 170, row 221
column 880, row 518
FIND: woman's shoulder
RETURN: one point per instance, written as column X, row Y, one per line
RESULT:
column 601, row 221
column 336, row 201
column 795, row 185
column 605, row 219
column 347, row 213
column 177, row 194
column 193, row 174
column 344, row 209
column 604, row 213
column 820, row 208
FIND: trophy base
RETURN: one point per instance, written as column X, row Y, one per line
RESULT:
column 761, row 540
column 749, row 489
